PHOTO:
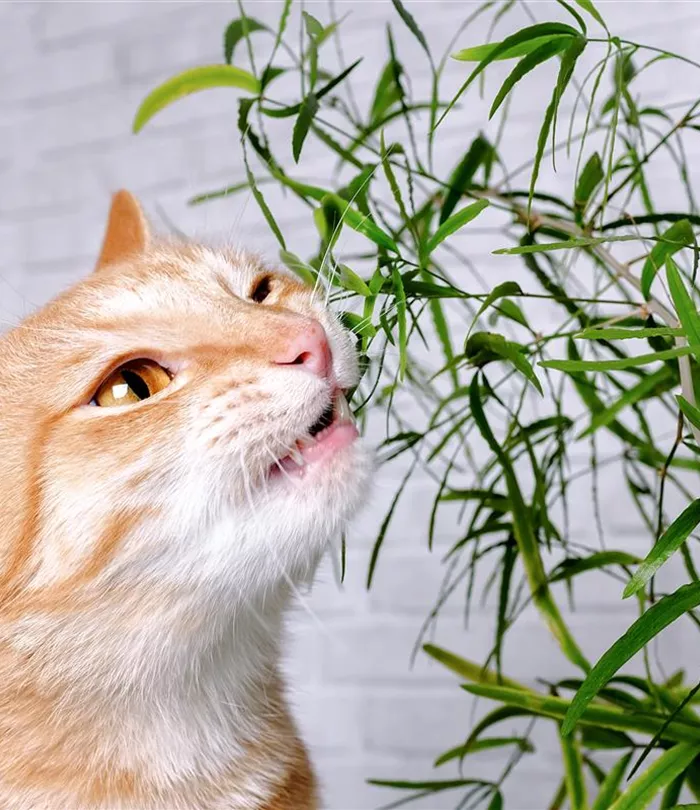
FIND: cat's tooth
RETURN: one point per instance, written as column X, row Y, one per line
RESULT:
column 296, row 457
column 305, row 441
column 343, row 409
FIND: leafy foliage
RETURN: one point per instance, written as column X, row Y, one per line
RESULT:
column 507, row 403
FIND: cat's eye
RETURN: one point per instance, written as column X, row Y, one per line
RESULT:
column 261, row 289
column 132, row 382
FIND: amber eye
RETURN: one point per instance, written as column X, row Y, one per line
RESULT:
column 261, row 289
column 132, row 382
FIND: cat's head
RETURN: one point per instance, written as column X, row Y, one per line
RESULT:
column 175, row 422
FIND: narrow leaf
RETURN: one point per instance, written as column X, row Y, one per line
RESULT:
column 308, row 110
column 566, row 69
column 685, row 308
column 644, row 388
column 468, row 669
column 480, row 52
column 678, row 236
column 600, row 559
column 461, row 178
column 667, row 767
column 527, row 64
column 593, row 715
column 573, row 773
column 619, row 365
column 610, row 788
column 676, row 534
column 408, row 18
column 236, row 31
column 192, row 81
column 305, row 272
column 483, row 347
column 499, row 291
column 619, row 333
column 592, row 10
column 580, row 241
column 649, row 625
column 455, row 222
column 400, row 297
column 590, row 178
column 691, row 412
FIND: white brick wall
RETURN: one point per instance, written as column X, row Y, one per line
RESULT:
column 71, row 76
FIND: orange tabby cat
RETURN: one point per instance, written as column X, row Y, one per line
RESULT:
column 175, row 452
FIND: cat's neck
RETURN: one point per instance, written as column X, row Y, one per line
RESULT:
column 161, row 699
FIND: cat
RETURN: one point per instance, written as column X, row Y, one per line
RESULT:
column 176, row 451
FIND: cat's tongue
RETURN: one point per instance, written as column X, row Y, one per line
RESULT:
column 341, row 433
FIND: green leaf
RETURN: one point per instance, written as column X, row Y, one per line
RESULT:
column 676, row 534
column 480, row 52
column 593, row 715
column 484, row 744
column 236, row 31
column 400, row 297
column 313, row 26
column 351, row 216
column 610, row 788
column 667, row 767
column 649, row 625
column 566, row 70
column 600, row 559
column 580, row 241
column 509, row 309
column 288, row 112
column 499, row 291
column 678, row 236
column 305, row 272
column 644, row 388
column 484, row 347
column 592, row 10
column 539, row 31
column 386, row 93
column 619, row 333
column 454, row 223
column 351, row 281
column 192, row 81
column 619, row 365
column 308, row 110
column 461, row 178
column 573, row 773
column 590, row 178
column 359, row 324
column 408, row 18
column 691, row 412
column 527, row 64
column 468, row 669
column 429, row 787
column 391, row 179
column 685, row 308
column 260, row 200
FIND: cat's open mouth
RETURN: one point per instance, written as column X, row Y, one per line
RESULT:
column 333, row 431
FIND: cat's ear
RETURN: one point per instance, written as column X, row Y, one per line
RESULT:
column 128, row 232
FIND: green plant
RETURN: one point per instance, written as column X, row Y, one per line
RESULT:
column 398, row 293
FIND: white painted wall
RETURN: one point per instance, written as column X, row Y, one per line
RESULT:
column 71, row 76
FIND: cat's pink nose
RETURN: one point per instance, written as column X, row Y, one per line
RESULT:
column 308, row 348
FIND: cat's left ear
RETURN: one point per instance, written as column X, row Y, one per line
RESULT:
column 128, row 232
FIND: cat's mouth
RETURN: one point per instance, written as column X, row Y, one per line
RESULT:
column 333, row 431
